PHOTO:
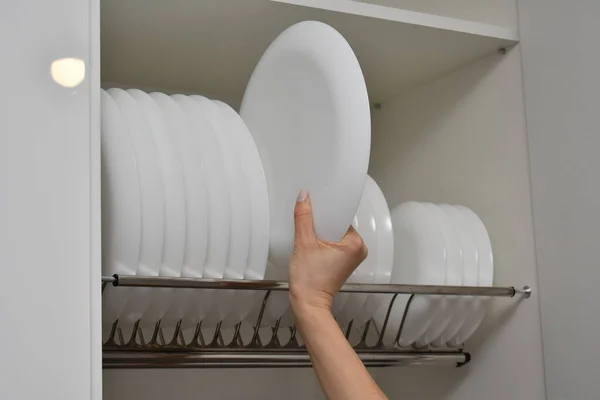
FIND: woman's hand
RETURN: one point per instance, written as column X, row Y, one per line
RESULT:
column 318, row 269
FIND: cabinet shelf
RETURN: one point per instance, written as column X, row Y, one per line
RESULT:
column 211, row 47
column 198, row 350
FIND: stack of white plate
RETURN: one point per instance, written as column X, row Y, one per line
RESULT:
column 437, row 244
column 185, row 193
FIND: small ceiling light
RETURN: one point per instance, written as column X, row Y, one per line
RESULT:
column 68, row 72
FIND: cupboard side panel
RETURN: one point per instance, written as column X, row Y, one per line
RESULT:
column 462, row 140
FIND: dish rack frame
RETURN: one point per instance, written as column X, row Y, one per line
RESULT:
column 176, row 351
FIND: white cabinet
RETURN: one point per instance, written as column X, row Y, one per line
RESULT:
column 561, row 93
column 49, row 209
column 449, row 125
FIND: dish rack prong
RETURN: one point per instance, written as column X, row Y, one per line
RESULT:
column 213, row 350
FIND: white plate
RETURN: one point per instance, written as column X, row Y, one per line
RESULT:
column 419, row 258
column 444, row 311
column 485, row 277
column 307, row 108
column 341, row 299
column 175, row 217
column 366, row 226
column 278, row 305
column 121, row 209
column 152, row 202
column 460, row 305
column 258, row 195
column 259, row 209
column 239, row 239
column 385, row 252
column 237, row 184
column 196, row 203
column 219, row 209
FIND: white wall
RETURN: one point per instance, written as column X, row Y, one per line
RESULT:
column 562, row 86
column 49, row 252
column 462, row 139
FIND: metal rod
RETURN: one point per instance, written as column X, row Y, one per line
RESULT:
column 194, row 283
column 385, row 321
column 266, row 360
column 401, row 328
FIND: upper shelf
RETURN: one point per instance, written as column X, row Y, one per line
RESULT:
column 210, row 47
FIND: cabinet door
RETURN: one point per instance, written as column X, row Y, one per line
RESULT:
column 49, row 203
column 561, row 64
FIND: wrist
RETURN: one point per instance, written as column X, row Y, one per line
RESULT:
column 307, row 298
column 304, row 309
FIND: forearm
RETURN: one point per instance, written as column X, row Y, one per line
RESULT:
column 340, row 371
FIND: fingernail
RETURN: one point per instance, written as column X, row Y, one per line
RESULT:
column 302, row 195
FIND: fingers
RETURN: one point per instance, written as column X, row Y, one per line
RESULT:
column 303, row 218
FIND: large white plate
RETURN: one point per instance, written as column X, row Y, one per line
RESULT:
column 460, row 304
column 121, row 209
column 444, row 311
column 385, row 252
column 419, row 258
column 152, row 203
column 219, row 209
column 259, row 209
column 485, row 277
column 307, row 108
column 175, row 216
column 196, row 204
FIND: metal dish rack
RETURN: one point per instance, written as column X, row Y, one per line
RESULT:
column 199, row 350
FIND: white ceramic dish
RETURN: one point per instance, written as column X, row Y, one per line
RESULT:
column 236, row 179
column 175, row 216
column 258, row 195
column 444, row 312
column 219, row 210
column 237, row 184
column 259, row 209
column 219, row 205
column 485, row 277
column 196, row 204
column 278, row 305
column 307, row 108
column 366, row 226
column 341, row 299
column 152, row 202
column 460, row 305
column 419, row 258
column 385, row 252
column 121, row 209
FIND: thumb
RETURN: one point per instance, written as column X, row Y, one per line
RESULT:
column 355, row 242
column 303, row 219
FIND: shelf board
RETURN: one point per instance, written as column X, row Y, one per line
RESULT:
column 211, row 47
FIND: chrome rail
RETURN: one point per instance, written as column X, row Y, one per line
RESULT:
column 197, row 349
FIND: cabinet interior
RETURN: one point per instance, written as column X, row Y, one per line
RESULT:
column 448, row 126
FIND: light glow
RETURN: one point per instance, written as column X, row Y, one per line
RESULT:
column 68, row 72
